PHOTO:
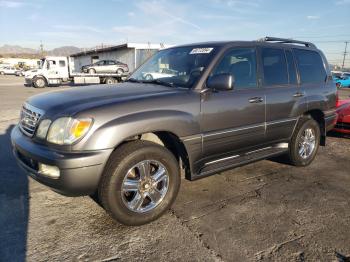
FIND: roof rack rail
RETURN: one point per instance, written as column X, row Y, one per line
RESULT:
column 286, row 41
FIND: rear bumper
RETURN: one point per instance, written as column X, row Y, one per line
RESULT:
column 80, row 172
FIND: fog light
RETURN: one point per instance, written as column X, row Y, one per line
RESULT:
column 49, row 171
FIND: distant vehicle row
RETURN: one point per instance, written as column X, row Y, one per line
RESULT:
column 11, row 70
column 341, row 79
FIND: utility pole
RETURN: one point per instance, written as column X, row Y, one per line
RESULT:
column 41, row 49
column 345, row 53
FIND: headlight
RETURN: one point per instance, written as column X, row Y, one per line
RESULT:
column 67, row 130
column 43, row 128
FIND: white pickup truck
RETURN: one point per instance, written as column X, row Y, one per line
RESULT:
column 55, row 70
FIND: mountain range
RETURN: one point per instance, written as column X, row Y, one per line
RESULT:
column 19, row 50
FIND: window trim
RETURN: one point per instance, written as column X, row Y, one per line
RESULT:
column 297, row 65
column 255, row 48
column 262, row 67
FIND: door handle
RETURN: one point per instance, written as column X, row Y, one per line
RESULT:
column 256, row 100
column 299, row 94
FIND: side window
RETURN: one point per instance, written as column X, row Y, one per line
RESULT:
column 274, row 66
column 291, row 68
column 310, row 66
column 52, row 63
column 241, row 64
column 62, row 63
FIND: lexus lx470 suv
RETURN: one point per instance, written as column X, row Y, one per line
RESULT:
column 225, row 104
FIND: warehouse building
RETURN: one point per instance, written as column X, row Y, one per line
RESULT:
column 132, row 54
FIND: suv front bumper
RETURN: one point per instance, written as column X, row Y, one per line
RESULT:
column 80, row 172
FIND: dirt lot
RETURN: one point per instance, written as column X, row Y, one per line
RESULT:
column 264, row 211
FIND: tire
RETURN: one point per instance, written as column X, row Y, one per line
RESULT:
column 92, row 71
column 2, row 73
column 122, row 164
column 110, row 81
column 148, row 77
column 297, row 143
column 120, row 71
column 338, row 85
column 39, row 82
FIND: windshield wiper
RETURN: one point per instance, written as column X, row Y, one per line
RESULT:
column 158, row 82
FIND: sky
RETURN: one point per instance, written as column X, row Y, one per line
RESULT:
column 87, row 23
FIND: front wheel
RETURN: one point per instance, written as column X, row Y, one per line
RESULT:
column 305, row 142
column 92, row 71
column 140, row 182
column 39, row 82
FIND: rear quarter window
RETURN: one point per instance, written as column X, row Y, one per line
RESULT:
column 310, row 66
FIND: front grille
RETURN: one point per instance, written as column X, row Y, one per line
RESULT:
column 29, row 119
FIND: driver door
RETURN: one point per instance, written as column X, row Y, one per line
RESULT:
column 234, row 120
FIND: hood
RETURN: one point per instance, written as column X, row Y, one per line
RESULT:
column 82, row 98
column 31, row 73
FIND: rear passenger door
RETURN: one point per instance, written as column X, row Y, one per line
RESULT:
column 284, row 98
column 313, row 77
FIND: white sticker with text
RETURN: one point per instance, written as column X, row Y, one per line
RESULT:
column 204, row 50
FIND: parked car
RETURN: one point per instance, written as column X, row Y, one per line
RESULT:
column 227, row 104
column 159, row 74
column 106, row 66
column 341, row 81
column 343, row 121
column 8, row 70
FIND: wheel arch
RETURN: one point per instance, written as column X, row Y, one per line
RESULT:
column 319, row 117
column 168, row 140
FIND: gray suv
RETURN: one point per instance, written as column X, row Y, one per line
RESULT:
column 223, row 105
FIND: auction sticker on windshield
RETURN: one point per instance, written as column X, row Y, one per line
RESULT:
column 205, row 50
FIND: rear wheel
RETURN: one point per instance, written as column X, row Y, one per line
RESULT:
column 305, row 142
column 120, row 71
column 110, row 80
column 2, row 73
column 140, row 182
column 338, row 85
column 39, row 82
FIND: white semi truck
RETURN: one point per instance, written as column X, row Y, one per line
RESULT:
column 57, row 70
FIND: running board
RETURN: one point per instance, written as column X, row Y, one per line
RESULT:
column 219, row 165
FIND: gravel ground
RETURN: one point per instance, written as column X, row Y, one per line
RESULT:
column 260, row 212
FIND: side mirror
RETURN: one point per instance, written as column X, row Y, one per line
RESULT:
column 221, row 82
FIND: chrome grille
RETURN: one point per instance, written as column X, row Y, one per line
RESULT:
column 29, row 119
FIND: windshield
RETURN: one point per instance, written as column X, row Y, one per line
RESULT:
column 180, row 66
